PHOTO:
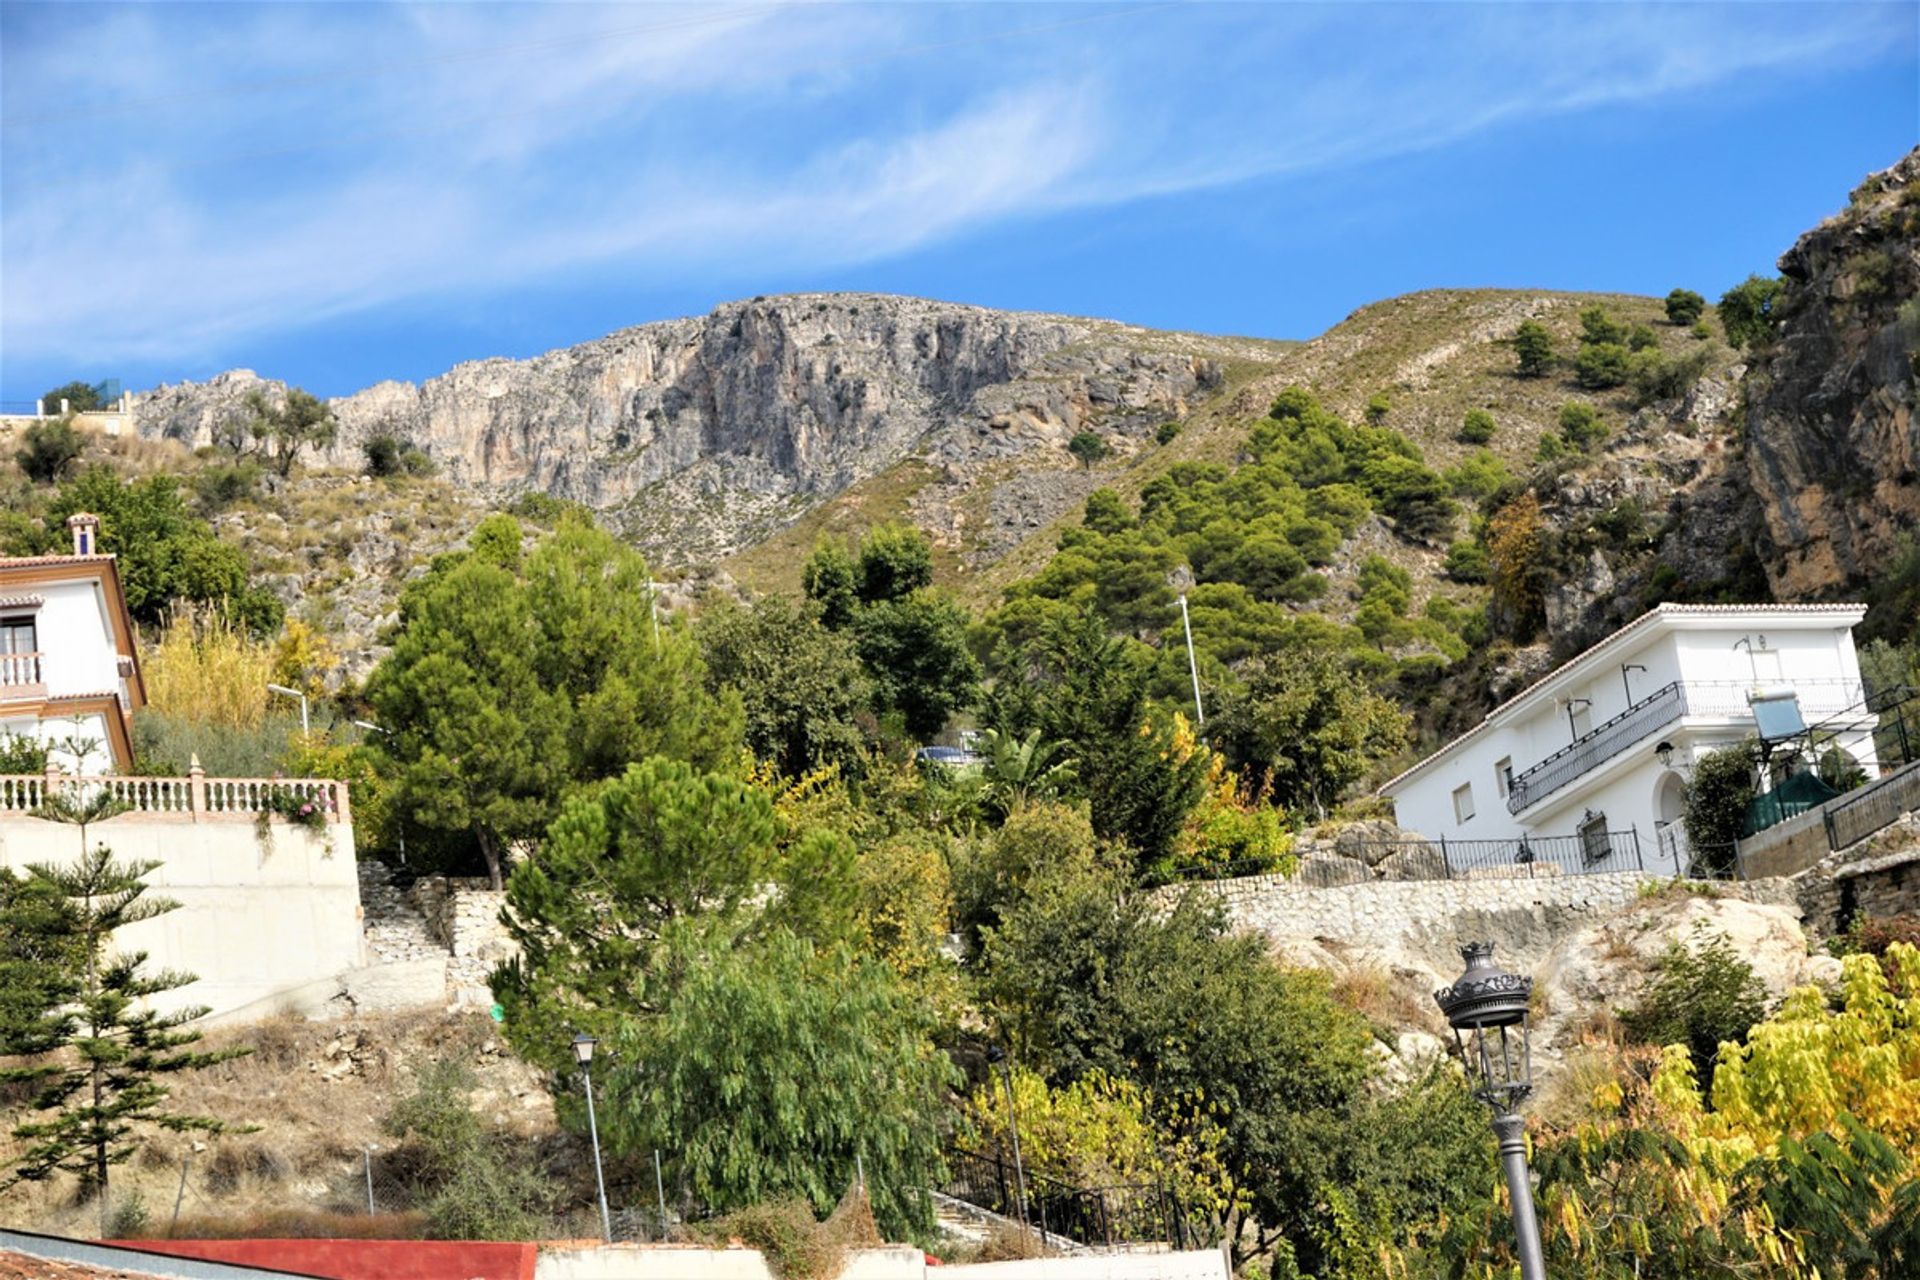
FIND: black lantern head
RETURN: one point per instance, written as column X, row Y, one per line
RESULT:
column 1487, row 1009
column 583, row 1045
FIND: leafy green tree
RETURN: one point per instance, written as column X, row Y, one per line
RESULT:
column 1081, row 977
column 512, row 681
column 1702, row 994
column 1091, row 696
column 1597, row 328
column 115, row 1047
column 1533, row 347
column 1684, row 307
column 895, row 561
column 1580, row 425
column 801, row 685
column 831, row 580
column 1477, row 427
column 825, row 1065
column 165, row 552
column 1088, row 447
column 916, row 648
column 1718, row 793
column 624, row 860
column 49, row 449
column 1479, row 474
column 1106, row 512
column 81, row 397
column 300, row 421
column 1750, row 311
column 1379, row 405
column 1308, row 726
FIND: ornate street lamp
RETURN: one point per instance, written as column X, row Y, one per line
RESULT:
column 583, row 1045
column 1487, row 1009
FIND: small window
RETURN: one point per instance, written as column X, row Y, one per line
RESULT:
column 1594, row 845
column 1463, row 802
column 1503, row 776
column 17, row 636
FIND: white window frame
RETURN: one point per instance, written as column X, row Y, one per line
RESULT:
column 1463, row 812
column 1503, row 776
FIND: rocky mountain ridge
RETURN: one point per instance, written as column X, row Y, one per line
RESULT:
column 699, row 436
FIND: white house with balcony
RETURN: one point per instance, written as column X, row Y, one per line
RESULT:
column 69, row 669
column 262, row 868
column 1587, row 767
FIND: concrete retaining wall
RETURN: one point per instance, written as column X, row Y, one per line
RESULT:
column 257, row 916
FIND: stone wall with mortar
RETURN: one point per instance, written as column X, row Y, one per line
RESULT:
column 1523, row 915
column 463, row 915
column 1878, row 877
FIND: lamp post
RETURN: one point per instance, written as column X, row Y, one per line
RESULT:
column 1487, row 1009
column 583, row 1054
column 285, row 692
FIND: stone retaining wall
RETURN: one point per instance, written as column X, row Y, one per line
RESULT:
column 463, row 915
column 1522, row 915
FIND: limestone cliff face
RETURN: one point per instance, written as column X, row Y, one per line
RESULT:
column 1833, row 442
column 699, row 436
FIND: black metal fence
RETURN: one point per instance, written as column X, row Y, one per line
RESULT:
column 1859, row 814
column 1597, row 746
column 1095, row 1216
column 1593, row 853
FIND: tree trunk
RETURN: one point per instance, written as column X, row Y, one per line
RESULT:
column 490, row 850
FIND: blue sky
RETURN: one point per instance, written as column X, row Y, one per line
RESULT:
column 336, row 194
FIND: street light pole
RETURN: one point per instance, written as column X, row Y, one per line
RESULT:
column 583, row 1053
column 1193, row 667
column 285, row 692
column 1487, row 1009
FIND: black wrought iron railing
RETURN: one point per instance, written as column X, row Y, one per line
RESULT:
column 1597, row 746
column 1085, row 1215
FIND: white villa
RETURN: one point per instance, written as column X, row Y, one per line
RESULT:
column 69, row 673
column 269, row 910
column 1587, row 767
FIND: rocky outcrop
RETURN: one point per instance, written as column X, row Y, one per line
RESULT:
column 699, row 436
column 1833, row 443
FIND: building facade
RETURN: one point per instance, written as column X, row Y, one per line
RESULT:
column 1588, row 766
column 69, row 668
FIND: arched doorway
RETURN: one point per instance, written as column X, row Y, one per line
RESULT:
column 1669, row 828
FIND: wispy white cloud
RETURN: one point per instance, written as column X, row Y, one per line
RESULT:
column 252, row 169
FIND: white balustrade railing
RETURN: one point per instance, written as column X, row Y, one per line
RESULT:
column 1826, row 696
column 19, row 668
column 196, row 796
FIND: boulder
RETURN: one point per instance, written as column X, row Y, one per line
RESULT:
column 1371, row 841
column 1415, row 862
column 1322, row 872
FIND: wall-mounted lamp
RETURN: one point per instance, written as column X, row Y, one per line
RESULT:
column 1665, row 754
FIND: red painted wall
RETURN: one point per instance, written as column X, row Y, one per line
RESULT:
column 363, row 1259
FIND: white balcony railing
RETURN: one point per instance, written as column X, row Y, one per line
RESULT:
column 18, row 669
column 1818, row 698
column 195, row 798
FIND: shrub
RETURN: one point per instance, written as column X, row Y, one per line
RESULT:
column 1550, row 449
column 1467, row 561
column 1685, row 307
column 48, row 450
column 1600, row 365
column 1750, row 311
column 1642, row 338
column 208, row 671
column 389, row 453
column 1477, row 426
column 1702, row 994
column 223, row 484
column 1872, row 935
column 1533, row 347
column 473, row 1185
column 1378, row 407
column 80, row 398
column 1580, row 425
column 1701, row 331
column 1658, row 377
column 21, row 754
column 1166, row 433
column 1479, row 474
column 1597, row 329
